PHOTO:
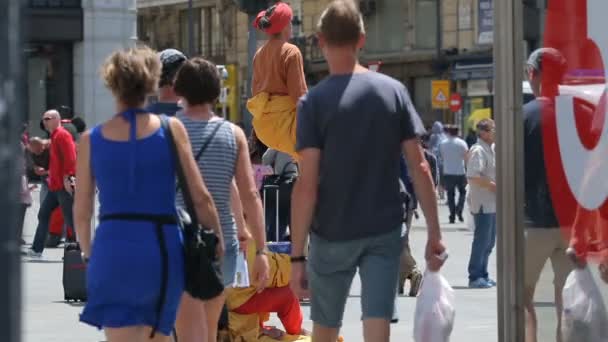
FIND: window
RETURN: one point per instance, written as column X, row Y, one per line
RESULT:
column 385, row 26
column 296, row 5
column 426, row 24
column 212, row 44
column 185, row 38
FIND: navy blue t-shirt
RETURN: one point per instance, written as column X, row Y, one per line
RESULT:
column 358, row 121
column 167, row 108
column 538, row 207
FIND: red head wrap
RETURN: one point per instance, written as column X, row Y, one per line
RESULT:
column 275, row 19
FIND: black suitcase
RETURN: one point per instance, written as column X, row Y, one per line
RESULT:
column 74, row 274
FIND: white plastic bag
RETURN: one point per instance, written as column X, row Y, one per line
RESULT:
column 434, row 318
column 584, row 318
column 241, row 276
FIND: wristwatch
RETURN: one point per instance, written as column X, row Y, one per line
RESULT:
column 260, row 252
column 297, row 259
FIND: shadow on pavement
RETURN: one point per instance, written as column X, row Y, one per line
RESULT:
column 32, row 261
column 74, row 304
column 470, row 288
column 544, row 304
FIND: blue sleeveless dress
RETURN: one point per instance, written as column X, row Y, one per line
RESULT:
column 124, row 273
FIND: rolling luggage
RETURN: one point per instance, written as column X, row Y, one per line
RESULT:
column 74, row 273
column 275, row 246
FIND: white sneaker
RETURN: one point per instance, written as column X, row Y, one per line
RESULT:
column 31, row 254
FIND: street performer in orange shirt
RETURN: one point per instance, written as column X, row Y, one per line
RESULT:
column 278, row 81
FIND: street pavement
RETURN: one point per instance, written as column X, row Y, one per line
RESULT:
column 46, row 317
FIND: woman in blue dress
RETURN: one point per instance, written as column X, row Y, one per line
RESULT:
column 135, row 272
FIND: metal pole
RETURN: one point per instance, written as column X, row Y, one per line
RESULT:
column 508, row 37
column 11, row 117
column 190, row 29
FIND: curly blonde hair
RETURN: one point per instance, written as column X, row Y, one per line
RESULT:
column 132, row 74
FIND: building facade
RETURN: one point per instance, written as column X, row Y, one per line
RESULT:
column 414, row 40
column 66, row 43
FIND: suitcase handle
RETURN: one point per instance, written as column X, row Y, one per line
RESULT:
column 275, row 187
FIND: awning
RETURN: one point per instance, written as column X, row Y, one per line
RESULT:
column 472, row 71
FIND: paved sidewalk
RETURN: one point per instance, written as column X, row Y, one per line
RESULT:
column 48, row 318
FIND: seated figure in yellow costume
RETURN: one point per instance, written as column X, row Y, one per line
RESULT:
column 249, row 309
column 278, row 81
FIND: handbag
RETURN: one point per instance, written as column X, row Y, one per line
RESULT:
column 203, row 279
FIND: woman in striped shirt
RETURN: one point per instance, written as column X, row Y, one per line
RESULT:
column 222, row 156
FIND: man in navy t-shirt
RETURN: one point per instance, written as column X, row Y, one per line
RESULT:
column 351, row 130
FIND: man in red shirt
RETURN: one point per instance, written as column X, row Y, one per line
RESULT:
column 62, row 167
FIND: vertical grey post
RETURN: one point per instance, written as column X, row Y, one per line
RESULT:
column 11, row 118
column 252, row 44
column 190, row 29
column 508, row 38
column 439, row 33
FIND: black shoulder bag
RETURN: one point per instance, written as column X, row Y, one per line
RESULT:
column 201, row 265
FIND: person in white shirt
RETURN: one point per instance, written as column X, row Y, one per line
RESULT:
column 453, row 152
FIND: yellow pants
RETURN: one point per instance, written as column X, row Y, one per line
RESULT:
column 274, row 121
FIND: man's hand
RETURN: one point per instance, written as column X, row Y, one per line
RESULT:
column 69, row 183
column 40, row 171
column 578, row 261
column 261, row 272
column 299, row 280
column 220, row 249
column 434, row 249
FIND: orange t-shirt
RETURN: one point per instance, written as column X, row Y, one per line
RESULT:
column 278, row 69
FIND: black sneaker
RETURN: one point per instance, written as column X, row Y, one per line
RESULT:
column 460, row 218
column 452, row 220
column 53, row 241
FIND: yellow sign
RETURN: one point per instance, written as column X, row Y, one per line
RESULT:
column 440, row 94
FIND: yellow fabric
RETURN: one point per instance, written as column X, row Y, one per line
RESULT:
column 280, row 270
column 246, row 328
column 478, row 115
column 274, row 121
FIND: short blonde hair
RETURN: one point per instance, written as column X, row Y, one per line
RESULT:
column 132, row 74
column 341, row 23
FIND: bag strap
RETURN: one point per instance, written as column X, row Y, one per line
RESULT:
column 181, row 178
column 206, row 143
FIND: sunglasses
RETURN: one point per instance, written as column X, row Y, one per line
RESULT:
column 47, row 119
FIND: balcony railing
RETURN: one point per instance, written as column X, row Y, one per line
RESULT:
column 309, row 46
column 55, row 4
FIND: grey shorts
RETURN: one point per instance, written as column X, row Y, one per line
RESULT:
column 332, row 266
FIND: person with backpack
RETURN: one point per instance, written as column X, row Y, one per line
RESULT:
column 408, row 266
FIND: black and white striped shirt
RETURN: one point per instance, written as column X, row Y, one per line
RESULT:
column 217, row 165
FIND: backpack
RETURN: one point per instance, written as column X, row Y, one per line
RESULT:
column 407, row 200
column 406, row 190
